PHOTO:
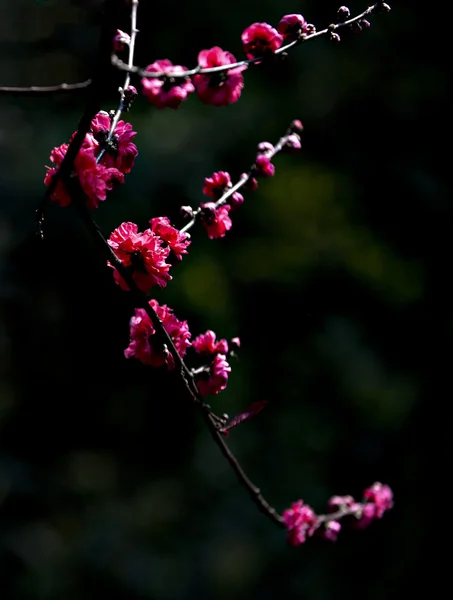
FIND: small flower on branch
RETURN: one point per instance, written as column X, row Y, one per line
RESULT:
column 142, row 345
column 206, row 344
column 219, row 89
column 263, row 166
column 260, row 39
column 216, row 185
column 215, row 219
column 215, row 378
column 121, row 41
column 177, row 241
column 143, row 253
column 292, row 27
column 169, row 91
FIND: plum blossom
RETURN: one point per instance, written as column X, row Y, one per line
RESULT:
column 292, row 27
column 206, row 344
column 216, row 378
column 177, row 241
column 100, row 164
column 142, row 346
column 215, row 219
column 223, row 88
column 168, row 91
column 143, row 253
column 260, row 39
column 299, row 520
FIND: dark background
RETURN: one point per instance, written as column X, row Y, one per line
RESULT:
column 335, row 276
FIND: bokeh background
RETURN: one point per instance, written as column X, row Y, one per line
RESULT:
column 334, row 275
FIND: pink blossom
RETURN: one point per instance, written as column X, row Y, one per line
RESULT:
column 216, row 185
column 263, row 166
column 382, row 497
column 120, row 150
column 299, row 521
column 215, row 220
column 121, row 40
column 265, row 147
column 365, row 514
column 297, row 125
column 142, row 346
column 236, row 200
column 235, row 343
column 292, row 27
column 340, row 503
column 330, row 530
column 219, row 89
column 95, row 178
column 260, row 39
column 216, row 379
column 293, row 143
column 169, row 91
column 206, row 344
column 144, row 254
column 251, row 184
column 177, row 241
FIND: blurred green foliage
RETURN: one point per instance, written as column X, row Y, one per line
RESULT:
column 333, row 276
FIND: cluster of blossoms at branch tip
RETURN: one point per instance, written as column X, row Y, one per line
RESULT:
column 215, row 214
column 101, row 163
column 301, row 521
column 145, row 253
column 222, row 86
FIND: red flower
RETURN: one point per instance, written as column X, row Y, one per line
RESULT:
column 260, row 39
column 215, row 220
column 169, row 91
column 142, row 346
column 217, row 378
column 219, row 89
column 291, row 27
column 176, row 240
column 143, row 253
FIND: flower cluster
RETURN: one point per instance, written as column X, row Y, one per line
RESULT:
column 215, row 214
column 145, row 253
column 211, row 378
column 301, row 521
column 101, row 163
column 142, row 345
column 212, row 83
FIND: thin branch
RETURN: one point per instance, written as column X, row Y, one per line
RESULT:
column 124, row 100
column 242, row 181
column 164, row 338
column 142, row 72
column 35, row 90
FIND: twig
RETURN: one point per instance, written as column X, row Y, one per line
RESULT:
column 124, row 102
column 242, row 181
column 46, row 89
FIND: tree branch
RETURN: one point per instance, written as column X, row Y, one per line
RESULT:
column 36, row 90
